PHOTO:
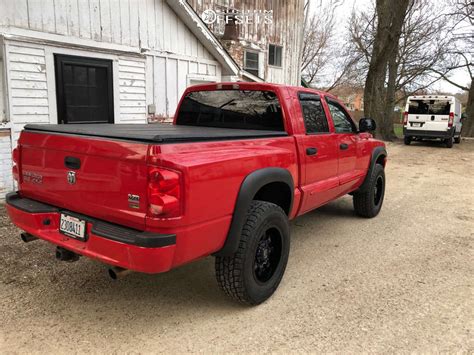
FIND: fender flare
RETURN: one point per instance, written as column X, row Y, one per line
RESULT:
column 249, row 188
column 376, row 154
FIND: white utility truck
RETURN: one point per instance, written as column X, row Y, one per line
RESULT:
column 432, row 117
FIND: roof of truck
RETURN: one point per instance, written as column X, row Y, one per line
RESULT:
column 256, row 86
column 432, row 97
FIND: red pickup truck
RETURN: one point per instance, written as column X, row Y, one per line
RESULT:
column 239, row 162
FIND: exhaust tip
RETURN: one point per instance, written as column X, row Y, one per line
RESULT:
column 113, row 274
column 118, row 272
column 26, row 237
column 66, row 255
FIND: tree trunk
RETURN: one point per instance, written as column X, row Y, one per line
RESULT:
column 387, row 119
column 468, row 124
column 390, row 18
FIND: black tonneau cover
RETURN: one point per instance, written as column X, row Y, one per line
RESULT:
column 158, row 133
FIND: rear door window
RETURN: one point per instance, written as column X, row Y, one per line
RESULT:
column 314, row 117
column 242, row 109
column 429, row 107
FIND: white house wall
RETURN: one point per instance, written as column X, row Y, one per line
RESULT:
column 138, row 81
column 6, row 180
column 132, row 90
column 144, row 24
column 171, row 76
column 27, row 83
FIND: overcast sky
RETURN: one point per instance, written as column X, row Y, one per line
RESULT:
column 343, row 13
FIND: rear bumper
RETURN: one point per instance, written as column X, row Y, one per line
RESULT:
column 428, row 134
column 109, row 243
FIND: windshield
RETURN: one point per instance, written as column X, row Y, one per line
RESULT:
column 429, row 107
column 243, row 109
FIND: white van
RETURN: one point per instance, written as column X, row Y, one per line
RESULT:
column 432, row 117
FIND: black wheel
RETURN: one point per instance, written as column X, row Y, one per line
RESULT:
column 254, row 272
column 449, row 142
column 368, row 203
column 457, row 139
column 407, row 140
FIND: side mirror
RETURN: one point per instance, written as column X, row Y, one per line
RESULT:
column 367, row 125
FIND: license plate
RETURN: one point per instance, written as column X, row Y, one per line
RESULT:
column 72, row 226
column 416, row 124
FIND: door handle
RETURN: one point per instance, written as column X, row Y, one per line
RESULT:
column 344, row 146
column 311, row 151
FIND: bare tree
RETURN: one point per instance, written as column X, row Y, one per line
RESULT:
column 318, row 32
column 377, row 96
column 461, row 55
column 423, row 44
column 420, row 46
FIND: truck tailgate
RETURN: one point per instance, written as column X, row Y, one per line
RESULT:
column 89, row 176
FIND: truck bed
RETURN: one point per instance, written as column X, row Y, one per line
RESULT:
column 153, row 133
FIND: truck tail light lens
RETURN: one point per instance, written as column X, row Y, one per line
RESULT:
column 164, row 193
column 451, row 119
column 15, row 159
column 405, row 118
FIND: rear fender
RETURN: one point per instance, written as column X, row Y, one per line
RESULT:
column 249, row 188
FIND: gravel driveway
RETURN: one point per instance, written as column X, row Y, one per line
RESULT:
column 397, row 283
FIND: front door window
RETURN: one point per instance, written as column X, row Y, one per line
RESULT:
column 342, row 122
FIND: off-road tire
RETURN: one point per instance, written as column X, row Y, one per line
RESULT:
column 407, row 140
column 237, row 274
column 368, row 203
column 457, row 139
column 449, row 142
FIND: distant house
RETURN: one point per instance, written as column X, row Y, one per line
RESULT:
column 117, row 61
column 353, row 97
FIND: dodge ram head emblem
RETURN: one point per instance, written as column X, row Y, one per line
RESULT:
column 71, row 177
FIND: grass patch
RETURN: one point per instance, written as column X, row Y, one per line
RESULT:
column 398, row 128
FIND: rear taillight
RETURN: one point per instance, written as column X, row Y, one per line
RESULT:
column 164, row 193
column 405, row 118
column 451, row 119
column 16, row 159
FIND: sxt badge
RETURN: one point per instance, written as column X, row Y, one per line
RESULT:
column 133, row 201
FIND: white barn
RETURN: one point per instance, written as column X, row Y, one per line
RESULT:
column 119, row 61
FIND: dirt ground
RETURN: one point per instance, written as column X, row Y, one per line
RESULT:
column 401, row 282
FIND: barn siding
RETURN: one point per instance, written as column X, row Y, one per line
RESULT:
column 132, row 90
column 28, row 84
column 26, row 80
column 6, row 178
column 138, row 81
column 171, row 76
column 147, row 24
